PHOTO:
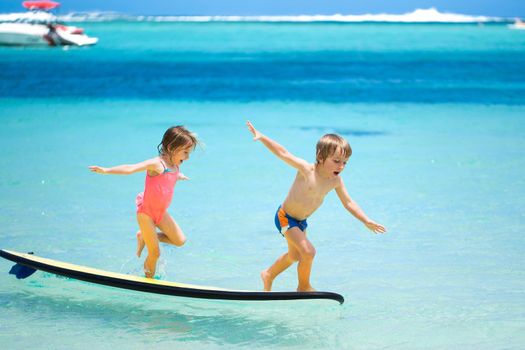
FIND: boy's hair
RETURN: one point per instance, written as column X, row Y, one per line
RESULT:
column 329, row 144
column 177, row 137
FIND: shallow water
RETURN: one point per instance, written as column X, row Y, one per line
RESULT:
column 434, row 114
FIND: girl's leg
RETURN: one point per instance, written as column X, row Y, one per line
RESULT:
column 281, row 264
column 298, row 240
column 140, row 244
column 149, row 235
column 171, row 231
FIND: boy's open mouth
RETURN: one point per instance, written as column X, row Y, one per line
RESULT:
column 336, row 173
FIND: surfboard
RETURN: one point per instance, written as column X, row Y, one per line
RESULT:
column 26, row 262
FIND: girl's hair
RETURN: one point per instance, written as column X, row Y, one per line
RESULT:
column 177, row 137
column 329, row 144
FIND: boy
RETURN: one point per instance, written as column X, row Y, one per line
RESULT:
column 312, row 183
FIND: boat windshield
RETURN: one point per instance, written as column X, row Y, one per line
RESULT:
column 38, row 17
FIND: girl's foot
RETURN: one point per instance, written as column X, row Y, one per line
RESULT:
column 140, row 244
column 148, row 274
column 267, row 280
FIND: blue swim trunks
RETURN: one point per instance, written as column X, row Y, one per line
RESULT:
column 283, row 222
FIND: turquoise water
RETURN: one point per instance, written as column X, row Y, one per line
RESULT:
column 435, row 117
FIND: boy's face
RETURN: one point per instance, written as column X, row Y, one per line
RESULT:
column 335, row 164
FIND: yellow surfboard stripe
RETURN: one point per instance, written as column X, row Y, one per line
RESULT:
column 116, row 275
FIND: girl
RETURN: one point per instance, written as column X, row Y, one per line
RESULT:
column 162, row 173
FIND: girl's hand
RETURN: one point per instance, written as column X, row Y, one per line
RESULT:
column 256, row 134
column 183, row 177
column 375, row 227
column 98, row 169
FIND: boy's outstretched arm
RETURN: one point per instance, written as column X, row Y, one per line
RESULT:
column 278, row 150
column 126, row 169
column 356, row 210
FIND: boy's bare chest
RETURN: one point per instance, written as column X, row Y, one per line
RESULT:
column 313, row 186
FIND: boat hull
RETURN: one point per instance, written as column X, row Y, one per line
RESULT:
column 23, row 35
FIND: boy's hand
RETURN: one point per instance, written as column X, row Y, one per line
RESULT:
column 375, row 227
column 256, row 134
column 97, row 169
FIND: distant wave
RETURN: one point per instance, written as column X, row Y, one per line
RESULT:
column 430, row 15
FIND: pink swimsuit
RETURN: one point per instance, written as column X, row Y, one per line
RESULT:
column 158, row 191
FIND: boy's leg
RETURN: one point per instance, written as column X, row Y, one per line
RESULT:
column 298, row 240
column 281, row 264
column 149, row 235
column 171, row 231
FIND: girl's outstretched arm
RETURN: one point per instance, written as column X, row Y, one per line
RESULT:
column 181, row 176
column 153, row 165
column 356, row 210
column 278, row 150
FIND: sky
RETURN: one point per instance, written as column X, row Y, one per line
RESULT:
column 496, row 8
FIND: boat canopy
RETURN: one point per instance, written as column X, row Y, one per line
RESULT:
column 40, row 5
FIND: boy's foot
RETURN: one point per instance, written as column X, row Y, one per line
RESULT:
column 140, row 244
column 267, row 280
column 307, row 289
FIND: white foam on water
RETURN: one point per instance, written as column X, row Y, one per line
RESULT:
column 430, row 15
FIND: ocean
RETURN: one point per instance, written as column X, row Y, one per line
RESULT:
column 434, row 112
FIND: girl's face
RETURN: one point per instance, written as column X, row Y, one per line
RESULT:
column 180, row 155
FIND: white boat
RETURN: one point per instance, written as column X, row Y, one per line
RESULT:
column 518, row 24
column 39, row 26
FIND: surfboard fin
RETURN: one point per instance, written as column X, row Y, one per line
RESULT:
column 21, row 271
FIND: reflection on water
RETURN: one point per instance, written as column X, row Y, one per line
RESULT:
column 146, row 318
column 344, row 132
